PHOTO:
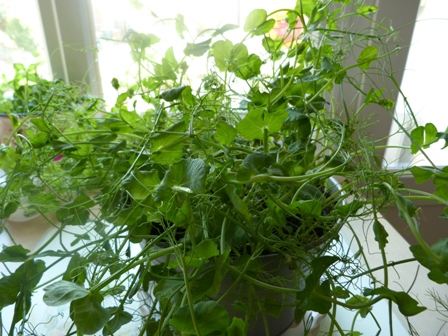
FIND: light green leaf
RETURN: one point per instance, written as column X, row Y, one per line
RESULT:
column 257, row 120
column 197, row 49
column 210, row 317
column 222, row 54
column 255, row 19
column 359, row 300
column 367, row 10
column 130, row 117
column 225, row 134
column 224, row 29
column 63, row 292
column 206, row 249
column 366, row 57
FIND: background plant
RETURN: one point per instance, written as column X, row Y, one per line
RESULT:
column 209, row 174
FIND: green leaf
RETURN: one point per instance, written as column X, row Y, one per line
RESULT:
column 443, row 136
column 172, row 94
column 242, row 64
column 75, row 212
column 197, row 49
column 180, row 25
column 405, row 206
column 380, row 234
column 210, row 317
column 438, row 264
column 206, row 249
column 19, row 286
column 272, row 306
column 237, row 327
column 255, row 18
column 423, row 137
column 167, row 287
column 422, row 174
column 359, row 300
column 257, row 120
column 224, row 29
column 120, row 318
column 141, row 183
column 366, row 57
column 88, row 314
column 317, row 304
column 225, row 134
column 15, row 253
column 186, row 175
column 238, row 203
column 166, row 147
column 63, row 292
column 309, row 207
column 222, row 53
column 367, row 10
column 257, row 163
column 406, row 304
column 130, row 117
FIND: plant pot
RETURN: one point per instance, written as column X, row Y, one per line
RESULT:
column 275, row 310
column 28, row 230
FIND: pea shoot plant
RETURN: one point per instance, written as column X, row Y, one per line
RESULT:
column 178, row 188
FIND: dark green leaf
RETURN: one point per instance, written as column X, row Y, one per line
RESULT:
column 75, row 212
column 203, row 311
column 88, row 314
column 237, row 327
column 187, row 175
column 172, row 94
column 405, row 206
column 120, row 318
column 443, row 136
column 406, row 304
column 380, row 234
column 15, row 253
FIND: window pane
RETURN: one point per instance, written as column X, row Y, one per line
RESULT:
column 424, row 82
column 114, row 19
column 21, row 37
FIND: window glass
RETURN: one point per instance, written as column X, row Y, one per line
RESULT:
column 21, row 37
column 115, row 20
column 424, row 83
